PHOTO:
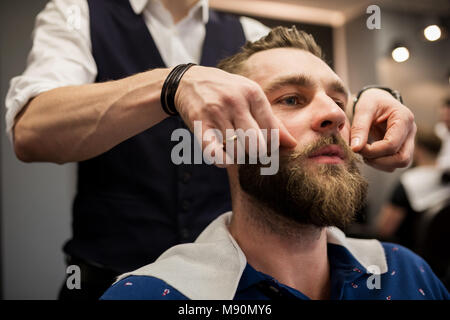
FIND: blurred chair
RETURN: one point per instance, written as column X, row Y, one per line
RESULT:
column 418, row 190
column 433, row 236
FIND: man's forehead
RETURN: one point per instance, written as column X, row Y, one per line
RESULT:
column 269, row 65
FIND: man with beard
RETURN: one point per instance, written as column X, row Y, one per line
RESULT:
column 281, row 239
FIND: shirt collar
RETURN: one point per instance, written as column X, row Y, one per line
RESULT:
column 251, row 277
column 139, row 5
column 368, row 252
column 344, row 269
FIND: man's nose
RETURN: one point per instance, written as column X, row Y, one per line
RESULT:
column 328, row 116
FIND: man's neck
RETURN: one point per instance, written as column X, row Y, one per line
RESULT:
column 178, row 8
column 299, row 261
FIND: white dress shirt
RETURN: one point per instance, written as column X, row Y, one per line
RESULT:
column 61, row 53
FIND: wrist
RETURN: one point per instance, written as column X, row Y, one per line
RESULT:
column 371, row 88
column 170, row 87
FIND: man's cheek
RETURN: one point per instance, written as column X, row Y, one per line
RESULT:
column 293, row 120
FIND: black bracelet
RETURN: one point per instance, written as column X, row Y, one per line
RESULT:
column 170, row 87
column 164, row 96
column 394, row 93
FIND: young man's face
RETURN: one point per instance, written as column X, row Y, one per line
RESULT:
column 304, row 93
column 318, row 183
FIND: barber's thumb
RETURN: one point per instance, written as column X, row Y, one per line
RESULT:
column 358, row 139
column 286, row 138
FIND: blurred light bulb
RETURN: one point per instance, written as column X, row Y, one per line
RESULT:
column 432, row 33
column 400, row 54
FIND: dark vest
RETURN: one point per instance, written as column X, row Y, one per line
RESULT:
column 132, row 202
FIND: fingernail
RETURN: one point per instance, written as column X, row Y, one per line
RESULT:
column 355, row 142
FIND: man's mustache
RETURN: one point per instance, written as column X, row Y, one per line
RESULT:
column 321, row 142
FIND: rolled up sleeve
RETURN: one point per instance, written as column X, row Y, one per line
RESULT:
column 60, row 56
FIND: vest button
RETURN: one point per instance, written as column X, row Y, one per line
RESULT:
column 184, row 233
column 185, row 205
column 186, row 177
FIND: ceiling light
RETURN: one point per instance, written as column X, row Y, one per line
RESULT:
column 432, row 32
column 400, row 54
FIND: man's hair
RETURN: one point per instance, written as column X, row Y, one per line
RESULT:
column 279, row 37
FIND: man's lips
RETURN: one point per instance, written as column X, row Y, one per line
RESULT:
column 329, row 154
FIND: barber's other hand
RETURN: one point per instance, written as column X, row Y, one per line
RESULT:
column 389, row 127
column 222, row 100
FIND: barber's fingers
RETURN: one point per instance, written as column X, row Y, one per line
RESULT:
column 362, row 121
column 262, row 112
column 397, row 134
column 249, row 134
column 212, row 140
column 231, row 142
column 285, row 137
column 379, row 112
column 400, row 159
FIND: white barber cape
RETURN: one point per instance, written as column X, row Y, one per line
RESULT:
column 212, row 266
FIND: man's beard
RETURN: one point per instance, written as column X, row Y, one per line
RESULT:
column 304, row 193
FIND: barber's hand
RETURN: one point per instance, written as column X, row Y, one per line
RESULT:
column 388, row 126
column 222, row 100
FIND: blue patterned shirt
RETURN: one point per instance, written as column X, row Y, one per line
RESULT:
column 408, row 277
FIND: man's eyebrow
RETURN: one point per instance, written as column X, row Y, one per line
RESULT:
column 338, row 87
column 304, row 81
column 297, row 80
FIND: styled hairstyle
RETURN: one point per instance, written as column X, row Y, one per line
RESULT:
column 279, row 37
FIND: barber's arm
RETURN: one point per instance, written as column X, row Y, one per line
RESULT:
column 389, row 124
column 76, row 123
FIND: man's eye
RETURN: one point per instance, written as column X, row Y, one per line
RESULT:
column 340, row 104
column 291, row 100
